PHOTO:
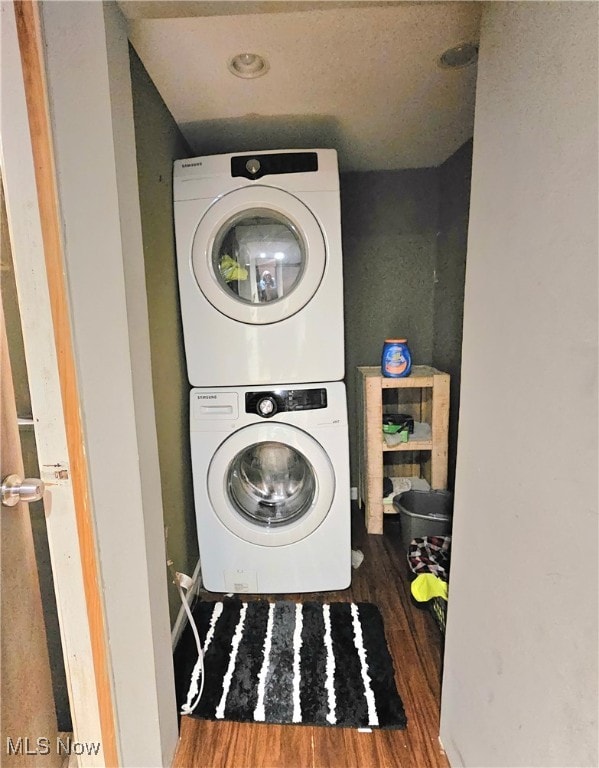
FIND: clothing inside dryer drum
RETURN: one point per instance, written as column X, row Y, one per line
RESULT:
column 258, row 256
column 271, row 483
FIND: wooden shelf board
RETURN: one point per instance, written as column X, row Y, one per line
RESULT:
column 413, row 445
column 410, row 382
column 421, row 376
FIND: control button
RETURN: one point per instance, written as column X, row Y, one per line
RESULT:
column 253, row 165
column 266, row 407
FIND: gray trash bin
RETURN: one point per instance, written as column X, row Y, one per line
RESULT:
column 423, row 513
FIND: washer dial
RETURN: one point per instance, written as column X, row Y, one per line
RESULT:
column 266, row 407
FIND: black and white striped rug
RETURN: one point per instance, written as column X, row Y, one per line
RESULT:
column 284, row 662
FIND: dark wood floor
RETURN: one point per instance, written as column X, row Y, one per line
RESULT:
column 416, row 647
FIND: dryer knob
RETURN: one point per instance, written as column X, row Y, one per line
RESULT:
column 266, row 407
column 253, row 165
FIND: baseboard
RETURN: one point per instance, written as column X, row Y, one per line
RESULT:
column 182, row 619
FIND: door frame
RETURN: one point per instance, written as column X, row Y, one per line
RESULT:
column 105, row 521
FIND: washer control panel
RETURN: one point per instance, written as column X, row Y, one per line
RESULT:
column 268, row 403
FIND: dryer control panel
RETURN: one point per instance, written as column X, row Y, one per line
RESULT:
column 268, row 403
column 257, row 166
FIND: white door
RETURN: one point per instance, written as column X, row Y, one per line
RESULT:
column 258, row 255
column 33, row 227
column 271, row 484
column 29, row 731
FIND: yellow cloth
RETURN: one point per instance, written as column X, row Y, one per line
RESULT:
column 426, row 586
column 232, row 270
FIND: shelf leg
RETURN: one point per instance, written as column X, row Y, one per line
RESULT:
column 440, row 428
column 374, row 455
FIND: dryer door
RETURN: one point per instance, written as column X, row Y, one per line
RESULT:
column 258, row 255
column 271, row 484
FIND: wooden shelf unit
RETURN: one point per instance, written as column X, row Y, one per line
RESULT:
column 424, row 395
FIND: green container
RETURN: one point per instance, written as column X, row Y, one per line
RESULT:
column 395, row 422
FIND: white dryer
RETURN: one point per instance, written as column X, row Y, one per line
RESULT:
column 260, row 271
column 271, row 484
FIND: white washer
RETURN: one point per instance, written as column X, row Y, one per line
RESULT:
column 260, row 270
column 271, row 485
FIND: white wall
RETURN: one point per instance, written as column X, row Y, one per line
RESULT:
column 520, row 677
column 89, row 88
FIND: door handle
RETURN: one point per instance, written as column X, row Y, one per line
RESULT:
column 15, row 489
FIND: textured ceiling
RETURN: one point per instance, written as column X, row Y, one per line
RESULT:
column 359, row 77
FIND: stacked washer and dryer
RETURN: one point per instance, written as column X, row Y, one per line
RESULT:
column 260, row 277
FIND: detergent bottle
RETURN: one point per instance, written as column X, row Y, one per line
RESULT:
column 396, row 360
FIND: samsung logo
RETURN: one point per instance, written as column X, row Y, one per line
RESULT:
column 206, row 397
column 189, row 165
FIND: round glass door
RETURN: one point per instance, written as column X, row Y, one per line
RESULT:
column 258, row 255
column 271, row 484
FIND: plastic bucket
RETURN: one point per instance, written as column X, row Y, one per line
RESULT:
column 423, row 513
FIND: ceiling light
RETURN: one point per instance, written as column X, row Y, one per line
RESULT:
column 248, row 65
column 459, row 56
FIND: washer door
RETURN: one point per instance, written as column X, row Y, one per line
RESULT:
column 271, row 484
column 258, row 255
